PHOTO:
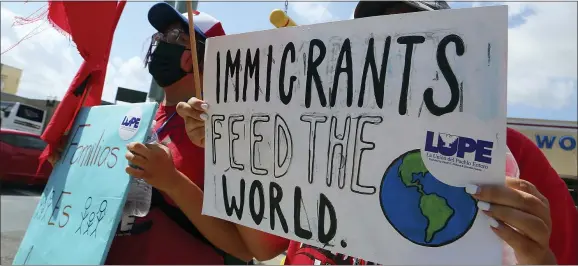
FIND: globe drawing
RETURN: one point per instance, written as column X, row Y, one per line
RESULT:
column 421, row 208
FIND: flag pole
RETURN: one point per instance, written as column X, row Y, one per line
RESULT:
column 192, row 39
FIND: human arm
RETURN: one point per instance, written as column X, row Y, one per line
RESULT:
column 223, row 234
column 538, row 206
column 535, row 168
column 520, row 216
column 187, row 196
column 262, row 245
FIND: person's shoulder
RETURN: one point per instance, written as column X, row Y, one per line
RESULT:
column 522, row 147
column 517, row 140
column 533, row 164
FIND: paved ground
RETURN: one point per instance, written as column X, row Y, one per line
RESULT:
column 17, row 206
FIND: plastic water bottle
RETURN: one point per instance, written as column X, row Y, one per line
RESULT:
column 138, row 200
column 512, row 170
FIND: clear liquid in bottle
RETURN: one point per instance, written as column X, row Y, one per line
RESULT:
column 138, row 200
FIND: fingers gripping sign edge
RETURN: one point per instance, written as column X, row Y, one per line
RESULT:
column 510, row 196
column 139, row 148
column 135, row 160
column 193, row 108
column 133, row 172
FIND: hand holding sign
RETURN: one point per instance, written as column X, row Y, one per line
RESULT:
column 524, row 217
column 322, row 134
column 80, row 208
column 155, row 163
column 193, row 112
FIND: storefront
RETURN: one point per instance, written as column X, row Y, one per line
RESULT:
column 558, row 141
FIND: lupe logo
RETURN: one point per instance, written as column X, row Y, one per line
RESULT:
column 458, row 146
column 130, row 123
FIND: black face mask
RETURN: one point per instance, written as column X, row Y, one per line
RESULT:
column 165, row 64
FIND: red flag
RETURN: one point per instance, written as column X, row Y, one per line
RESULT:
column 91, row 26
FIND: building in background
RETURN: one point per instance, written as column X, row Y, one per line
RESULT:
column 10, row 78
column 49, row 105
column 130, row 96
column 558, row 141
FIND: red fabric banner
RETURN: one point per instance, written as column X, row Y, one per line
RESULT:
column 91, row 26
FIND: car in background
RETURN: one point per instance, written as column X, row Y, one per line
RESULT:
column 22, row 117
column 19, row 152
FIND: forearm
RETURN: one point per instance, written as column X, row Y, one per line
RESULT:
column 223, row 234
column 262, row 245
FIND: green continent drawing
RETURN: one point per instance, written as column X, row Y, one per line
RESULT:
column 435, row 208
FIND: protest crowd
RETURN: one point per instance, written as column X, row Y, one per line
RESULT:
column 533, row 213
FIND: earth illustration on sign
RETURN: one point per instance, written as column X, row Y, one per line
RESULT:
column 421, row 208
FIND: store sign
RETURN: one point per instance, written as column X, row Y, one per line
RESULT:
column 567, row 143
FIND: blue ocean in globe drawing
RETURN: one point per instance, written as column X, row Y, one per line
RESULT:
column 421, row 208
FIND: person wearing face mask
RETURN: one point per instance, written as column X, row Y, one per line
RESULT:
column 537, row 204
column 174, row 231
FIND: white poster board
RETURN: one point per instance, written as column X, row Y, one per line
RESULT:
column 359, row 136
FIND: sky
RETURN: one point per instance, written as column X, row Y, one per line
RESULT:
column 542, row 49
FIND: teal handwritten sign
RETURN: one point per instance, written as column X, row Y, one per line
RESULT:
column 80, row 208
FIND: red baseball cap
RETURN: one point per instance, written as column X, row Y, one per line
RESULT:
column 162, row 15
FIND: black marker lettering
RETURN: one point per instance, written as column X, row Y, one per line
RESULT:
column 214, row 134
column 449, row 75
column 313, row 74
column 269, row 67
column 257, row 186
column 286, row 98
column 232, row 137
column 218, row 90
column 275, row 197
column 254, row 139
column 378, row 81
column 232, row 68
column 348, row 70
column 337, row 141
column 252, row 70
column 360, row 147
column 409, row 41
column 299, row 231
column 325, row 204
column 312, row 119
column 229, row 208
column 280, row 168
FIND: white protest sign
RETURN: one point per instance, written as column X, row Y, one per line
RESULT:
column 359, row 136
